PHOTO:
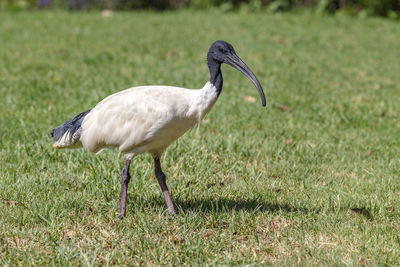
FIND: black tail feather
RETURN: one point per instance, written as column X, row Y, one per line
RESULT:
column 73, row 125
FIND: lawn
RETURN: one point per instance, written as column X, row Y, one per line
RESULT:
column 311, row 179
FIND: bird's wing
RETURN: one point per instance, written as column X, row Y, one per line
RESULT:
column 134, row 117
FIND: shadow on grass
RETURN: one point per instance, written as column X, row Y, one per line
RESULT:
column 363, row 211
column 222, row 205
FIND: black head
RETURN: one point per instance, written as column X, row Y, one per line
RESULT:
column 219, row 51
column 222, row 52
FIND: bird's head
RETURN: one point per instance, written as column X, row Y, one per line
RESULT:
column 223, row 52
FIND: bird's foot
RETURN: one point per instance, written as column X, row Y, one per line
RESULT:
column 172, row 211
column 122, row 214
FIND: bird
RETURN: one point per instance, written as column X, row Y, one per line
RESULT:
column 149, row 118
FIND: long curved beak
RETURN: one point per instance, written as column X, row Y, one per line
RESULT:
column 238, row 64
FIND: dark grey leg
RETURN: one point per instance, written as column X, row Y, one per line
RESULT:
column 125, row 177
column 161, row 180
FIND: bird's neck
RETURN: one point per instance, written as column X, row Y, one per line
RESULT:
column 215, row 73
column 207, row 96
column 204, row 99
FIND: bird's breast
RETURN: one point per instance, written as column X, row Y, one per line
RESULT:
column 203, row 101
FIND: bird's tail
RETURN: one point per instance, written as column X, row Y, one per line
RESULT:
column 69, row 133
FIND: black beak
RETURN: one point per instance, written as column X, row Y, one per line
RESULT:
column 238, row 64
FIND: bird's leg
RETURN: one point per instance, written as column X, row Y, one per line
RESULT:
column 161, row 180
column 125, row 177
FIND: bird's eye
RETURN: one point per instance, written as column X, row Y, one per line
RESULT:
column 221, row 50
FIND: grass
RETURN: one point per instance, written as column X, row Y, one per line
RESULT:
column 317, row 184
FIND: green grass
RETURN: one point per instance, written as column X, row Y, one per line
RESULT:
column 331, row 197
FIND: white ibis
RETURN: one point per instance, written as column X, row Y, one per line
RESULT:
column 149, row 118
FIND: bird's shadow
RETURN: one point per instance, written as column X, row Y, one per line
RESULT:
column 222, row 205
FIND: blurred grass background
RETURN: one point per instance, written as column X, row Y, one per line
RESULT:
column 313, row 179
column 362, row 8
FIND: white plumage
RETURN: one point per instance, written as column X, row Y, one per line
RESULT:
column 145, row 118
column 149, row 118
